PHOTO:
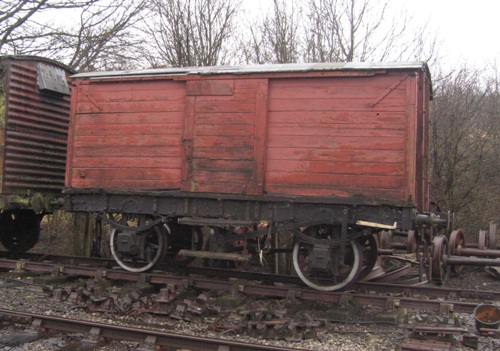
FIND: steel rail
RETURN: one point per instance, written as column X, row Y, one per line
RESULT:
column 107, row 272
column 427, row 291
column 117, row 332
column 245, row 287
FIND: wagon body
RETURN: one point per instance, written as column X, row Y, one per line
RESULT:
column 34, row 120
column 247, row 143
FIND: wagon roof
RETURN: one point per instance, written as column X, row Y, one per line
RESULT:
column 272, row 68
column 36, row 59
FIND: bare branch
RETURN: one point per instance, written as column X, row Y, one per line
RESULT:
column 465, row 144
column 276, row 37
column 362, row 30
column 16, row 15
column 191, row 32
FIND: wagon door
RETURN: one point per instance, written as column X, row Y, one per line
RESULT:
column 224, row 135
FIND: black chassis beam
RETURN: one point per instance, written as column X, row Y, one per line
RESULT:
column 210, row 209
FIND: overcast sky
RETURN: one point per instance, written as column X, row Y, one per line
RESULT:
column 468, row 29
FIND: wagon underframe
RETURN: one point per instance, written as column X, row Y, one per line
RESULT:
column 242, row 210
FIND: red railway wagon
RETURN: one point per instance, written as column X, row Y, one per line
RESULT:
column 34, row 120
column 333, row 152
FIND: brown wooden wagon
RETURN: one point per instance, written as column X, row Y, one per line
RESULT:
column 333, row 152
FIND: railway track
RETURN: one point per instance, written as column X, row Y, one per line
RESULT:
column 96, row 267
column 426, row 297
column 175, row 296
column 97, row 333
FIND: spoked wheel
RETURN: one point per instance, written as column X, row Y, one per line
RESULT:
column 457, row 242
column 19, row 229
column 138, row 251
column 317, row 266
column 183, row 237
column 439, row 249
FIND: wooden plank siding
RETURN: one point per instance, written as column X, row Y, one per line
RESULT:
column 128, row 135
column 326, row 139
column 321, row 134
column 222, row 151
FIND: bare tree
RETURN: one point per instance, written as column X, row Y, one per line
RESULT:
column 321, row 37
column 99, row 36
column 106, row 37
column 18, row 15
column 191, row 32
column 251, row 45
column 276, row 37
column 465, row 144
column 362, row 30
column 281, row 32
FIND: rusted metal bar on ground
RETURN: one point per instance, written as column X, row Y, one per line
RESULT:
column 470, row 261
column 426, row 345
column 432, row 329
column 490, row 332
column 477, row 252
column 427, row 291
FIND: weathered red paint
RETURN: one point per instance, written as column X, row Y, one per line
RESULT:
column 339, row 133
column 127, row 135
column 344, row 116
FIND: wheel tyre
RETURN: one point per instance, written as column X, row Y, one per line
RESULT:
column 161, row 234
column 19, row 230
column 351, row 277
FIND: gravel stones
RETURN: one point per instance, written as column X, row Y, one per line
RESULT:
column 361, row 332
